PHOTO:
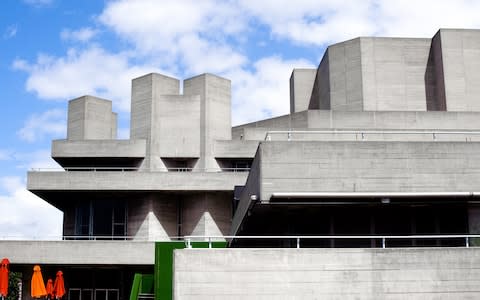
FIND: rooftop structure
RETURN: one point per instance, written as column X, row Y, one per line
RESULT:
column 383, row 138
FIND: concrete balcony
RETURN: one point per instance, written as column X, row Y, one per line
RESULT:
column 43, row 181
column 235, row 149
column 79, row 252
column 80, row 153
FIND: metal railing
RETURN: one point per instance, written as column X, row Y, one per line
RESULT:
column 298, row 238
column 130, row 169
column 362, row 135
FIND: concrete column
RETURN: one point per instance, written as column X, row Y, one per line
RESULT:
column 146, row 91
column 215, row 113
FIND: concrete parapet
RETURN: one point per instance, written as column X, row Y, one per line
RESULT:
column 408, row 273
column 79, row 252
column 134, row 181
column 342, row 166
column 98, row 148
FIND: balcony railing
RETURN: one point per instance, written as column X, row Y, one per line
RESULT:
column 385, row 240
column 130, row 169
column 365, row 135
column 298, row 239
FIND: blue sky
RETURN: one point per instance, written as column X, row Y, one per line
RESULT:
column 52, row 51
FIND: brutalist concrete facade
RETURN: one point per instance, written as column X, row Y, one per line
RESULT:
column 381, row 121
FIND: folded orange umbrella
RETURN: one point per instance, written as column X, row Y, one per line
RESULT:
column 49, row 289
column 38, row 286
column 59, row 286
column 4, row 277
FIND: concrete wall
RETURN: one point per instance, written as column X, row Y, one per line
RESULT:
column 301, row 85
column 393, row 73
column 461, row 68
column 91, row 118
column 369, row 167
column 413, row 273
column 436, row 120
column 176, row 126
column 79, row 252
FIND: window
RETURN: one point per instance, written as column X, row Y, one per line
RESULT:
column 101, row 218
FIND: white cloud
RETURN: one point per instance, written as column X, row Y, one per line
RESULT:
column 24, row 215
column 10, row 32
column 81, row 35
column 321, row 22
column 188, row 34
column 263, row 92
column 92, row 71
column 51, row 123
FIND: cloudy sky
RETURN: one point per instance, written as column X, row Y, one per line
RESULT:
column 52, row 51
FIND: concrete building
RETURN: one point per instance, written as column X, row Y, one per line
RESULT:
column 382, row 139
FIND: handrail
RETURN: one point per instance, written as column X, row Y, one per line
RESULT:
column 188, row 239
column 298, row 238
column 363, row 133
column 124, row 169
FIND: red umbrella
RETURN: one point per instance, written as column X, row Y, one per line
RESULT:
column 59, row 286
column 49, row 289
column 4, row 277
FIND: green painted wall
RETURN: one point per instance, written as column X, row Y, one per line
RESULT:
column 163, row 276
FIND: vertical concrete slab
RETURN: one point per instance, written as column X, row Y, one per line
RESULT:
column 320, row 98
column 301, row 85
column 146, row 91
column 461, row 65
column 434, row 77
column 345, row 76
column 215, row 113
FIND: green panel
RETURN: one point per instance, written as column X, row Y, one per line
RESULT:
column 142, row 284
column 147, row 284
column 164, row 265
column 137, row 279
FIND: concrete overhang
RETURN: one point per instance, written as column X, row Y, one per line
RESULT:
column 235, row 149
column 125, row 153
column 79, row 252
column 133, row 181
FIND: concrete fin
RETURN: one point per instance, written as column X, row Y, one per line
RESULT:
column 152, row 229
